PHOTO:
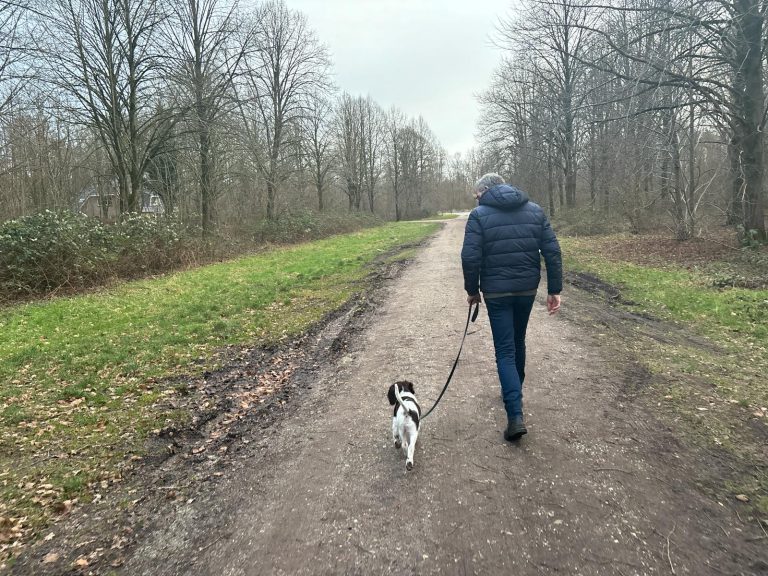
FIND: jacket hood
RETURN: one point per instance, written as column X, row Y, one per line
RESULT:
column 504, row 197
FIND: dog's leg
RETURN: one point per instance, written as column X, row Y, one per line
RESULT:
column 395, row 435
column 411, row 446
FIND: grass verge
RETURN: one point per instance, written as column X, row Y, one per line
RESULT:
column 81, row 378
column 716, row 380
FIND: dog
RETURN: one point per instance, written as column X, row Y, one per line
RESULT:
column 405, row 419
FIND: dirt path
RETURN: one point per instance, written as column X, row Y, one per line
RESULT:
column 595, row 488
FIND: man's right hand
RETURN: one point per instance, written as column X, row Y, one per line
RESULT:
column 474, row 299
column 553, row 303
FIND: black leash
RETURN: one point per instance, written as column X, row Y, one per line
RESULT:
column 470, row 316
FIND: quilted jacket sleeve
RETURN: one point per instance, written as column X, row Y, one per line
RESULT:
column 550, row 249
column 472, row 254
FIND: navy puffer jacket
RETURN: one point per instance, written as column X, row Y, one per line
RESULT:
column 505, row 237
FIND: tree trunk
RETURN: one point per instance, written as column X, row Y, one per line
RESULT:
column 752, row 101
column 678, row 195
column 270, row 199
column 690, row 192
column 605, row 192
column 206, row 192
column 550, row 185
column 592, row 167
column 734, row 213
column 570, row 157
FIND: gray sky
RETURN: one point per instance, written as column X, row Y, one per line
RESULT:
column 426, row 57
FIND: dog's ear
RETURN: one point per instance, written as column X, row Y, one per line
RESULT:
column 391, row 395
column 408, row 387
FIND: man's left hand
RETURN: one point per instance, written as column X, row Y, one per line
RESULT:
column 475, row 299
column 553, row 303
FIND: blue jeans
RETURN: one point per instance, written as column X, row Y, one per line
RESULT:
column 509, row 321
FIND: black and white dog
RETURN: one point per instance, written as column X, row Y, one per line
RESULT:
column 405, row 419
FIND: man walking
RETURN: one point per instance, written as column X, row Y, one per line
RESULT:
column 505, row 237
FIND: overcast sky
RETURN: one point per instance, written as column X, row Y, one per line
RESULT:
column 427, row 57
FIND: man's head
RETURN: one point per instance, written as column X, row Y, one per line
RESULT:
column 485, row 182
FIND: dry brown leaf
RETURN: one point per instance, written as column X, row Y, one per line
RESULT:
column 62, row 507
column 50, row 558
column 81, row 562
column 742, row 497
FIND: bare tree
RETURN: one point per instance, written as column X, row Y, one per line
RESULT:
column 208, row 52
column 285, row 67
column 38, row 161
column 628, row 89
column 319, row 152
column 552, row 36
column 424, row 164
column 411, row 163
column 349, row 145
column 15, row 34
column 520, row 119
column 717, row 58
column 395, row 125
column 371, row 143
column 105, row 55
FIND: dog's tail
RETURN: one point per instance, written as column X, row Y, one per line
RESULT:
column 412, row 413
column 399, row 398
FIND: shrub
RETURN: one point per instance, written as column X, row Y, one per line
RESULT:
column 748, row 238
column 582, row 222
column 53, row 251
column 50, row 251
column 150, row 244
column 307, row 225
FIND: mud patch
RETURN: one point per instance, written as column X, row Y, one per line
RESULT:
column 593, row 285
column 644, row 324
column 636, row 380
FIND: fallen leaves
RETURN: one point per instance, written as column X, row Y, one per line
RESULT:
column 10, row 529
column 742, row 497
column 85, row 467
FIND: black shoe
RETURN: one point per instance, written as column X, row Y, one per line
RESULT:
column 515, row 430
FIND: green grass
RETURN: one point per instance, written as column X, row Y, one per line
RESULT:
column 80, row 377
column 738, row 314
column 734, row 319
column 715, row 388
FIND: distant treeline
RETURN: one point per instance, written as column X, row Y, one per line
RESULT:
column 227, row 114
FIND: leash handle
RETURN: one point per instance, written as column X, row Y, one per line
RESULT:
column 470, row 316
